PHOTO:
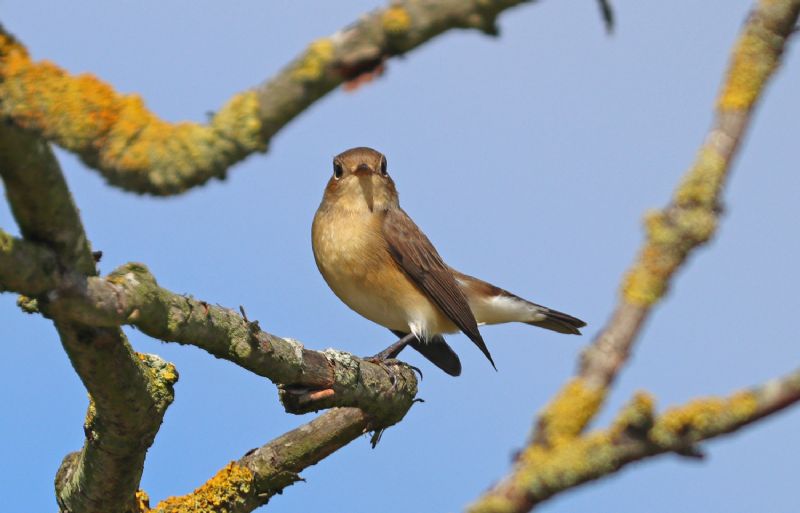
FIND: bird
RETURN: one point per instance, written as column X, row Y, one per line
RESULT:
column 380, row 264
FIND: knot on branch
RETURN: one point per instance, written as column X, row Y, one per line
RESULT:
column 636, row 419
column 162, row 378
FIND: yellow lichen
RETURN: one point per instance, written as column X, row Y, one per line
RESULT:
column 703, row 181
column 701, row 418
column 142, row 501
column 239, row 121
column 231, row 486
column 637, row 414
column 567, row 415
column 396, row 20
column 671, row 234
column 751, row 65
column 312, row 64
column 541, row 469
column 85, row 115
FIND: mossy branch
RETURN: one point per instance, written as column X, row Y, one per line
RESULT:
column 129, row 392
column 688, row 222
column 244, row 485
column 691, row 218
column 541, row 472
column 309, row 380
column 137, row 151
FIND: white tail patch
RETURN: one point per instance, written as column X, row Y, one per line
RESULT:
column 501, row 308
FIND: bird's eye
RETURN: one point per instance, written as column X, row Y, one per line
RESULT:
column 338, row 170
column 384, row 165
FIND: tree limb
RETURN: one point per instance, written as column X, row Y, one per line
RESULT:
column 129, row 392
column 309, row 380
column 135, row 150
column 244, row 485
column 688, row 222
column 542, row 472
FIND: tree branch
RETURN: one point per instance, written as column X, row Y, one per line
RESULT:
column 244, row 485
column 129, row 392
column 691, row 218
column 309, row 380
column 542, row 472
column 689, row 221
column 135, row 150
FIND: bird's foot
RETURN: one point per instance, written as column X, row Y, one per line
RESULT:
column 390, row 353
column 387, row 363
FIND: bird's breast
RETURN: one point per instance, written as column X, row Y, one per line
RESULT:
column 353, row 258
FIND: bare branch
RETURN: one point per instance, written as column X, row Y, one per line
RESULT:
column 129, row 392
column 637, row 433
column 135, row 150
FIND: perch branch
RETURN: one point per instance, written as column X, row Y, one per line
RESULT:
column 309, row 380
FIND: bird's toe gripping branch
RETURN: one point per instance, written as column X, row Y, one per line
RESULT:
column 385, row 396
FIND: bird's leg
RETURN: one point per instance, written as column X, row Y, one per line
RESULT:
column 393, row 350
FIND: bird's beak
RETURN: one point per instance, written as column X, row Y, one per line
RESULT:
column 364, row 174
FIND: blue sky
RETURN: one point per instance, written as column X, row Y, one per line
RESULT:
column 528, row 160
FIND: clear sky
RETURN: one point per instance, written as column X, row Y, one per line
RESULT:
column 528, row 159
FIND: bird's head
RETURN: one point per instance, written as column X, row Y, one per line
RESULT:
column 361, row 181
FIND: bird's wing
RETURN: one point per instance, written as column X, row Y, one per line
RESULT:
column 417, row 257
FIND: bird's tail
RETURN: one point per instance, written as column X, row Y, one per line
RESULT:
column 558, row 321
column 492, row 305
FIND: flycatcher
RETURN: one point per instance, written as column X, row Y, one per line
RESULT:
column 381, row 265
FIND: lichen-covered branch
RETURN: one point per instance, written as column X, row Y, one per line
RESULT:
column 244, row 485
column 556, row 449
column 26, row 266
column 129, row 392
column 309, row 380
column 637, row 433
column 135, row 150
column 689, row 221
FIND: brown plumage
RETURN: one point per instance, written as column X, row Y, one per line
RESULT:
column 379, row 263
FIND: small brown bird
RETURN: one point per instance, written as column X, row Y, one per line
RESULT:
column 382, row 266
